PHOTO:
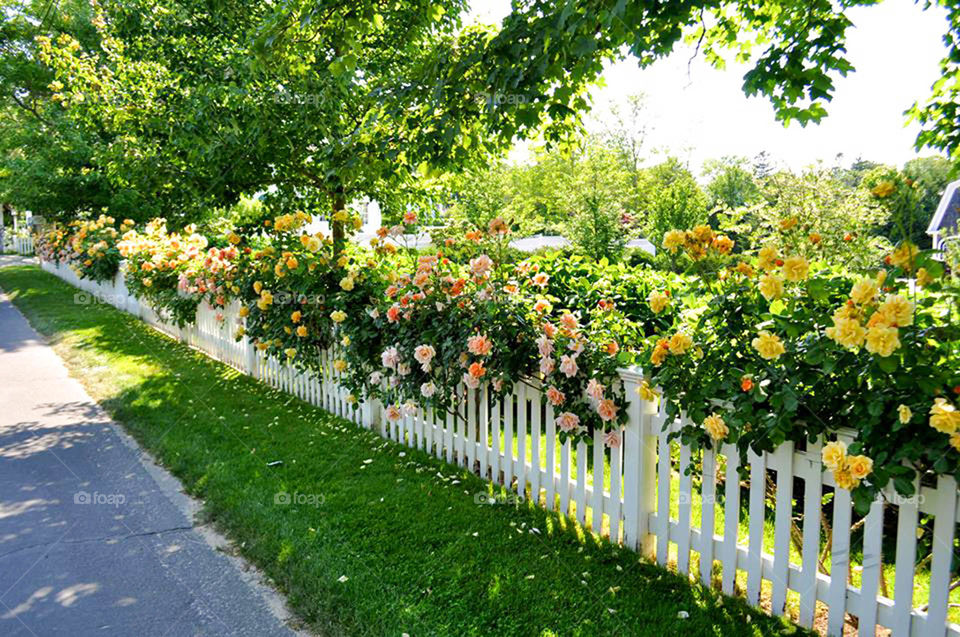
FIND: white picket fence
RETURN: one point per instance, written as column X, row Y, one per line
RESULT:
column 19, row 245
column 627, row 493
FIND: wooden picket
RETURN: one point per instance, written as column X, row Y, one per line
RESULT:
column 627, row 490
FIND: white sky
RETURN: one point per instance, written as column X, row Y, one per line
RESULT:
column 894, row 46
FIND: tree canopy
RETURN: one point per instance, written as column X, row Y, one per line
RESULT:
column 177, row 107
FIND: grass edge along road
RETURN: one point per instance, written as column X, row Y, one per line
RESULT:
column 364, row 536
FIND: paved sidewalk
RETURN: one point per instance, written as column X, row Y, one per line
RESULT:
column 94, row 540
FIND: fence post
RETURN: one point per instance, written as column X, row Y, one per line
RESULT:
column 250, row 354
column 639, row 462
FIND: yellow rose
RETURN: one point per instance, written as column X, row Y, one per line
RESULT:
column 296, row 316
column 674, row 239
column 290, row 352
column 745, row 269
column 859, row 466
column 904, row 255
column 346, row 283
column 313, row 244
column 955, row 441
column 234, row 238
column 834, row 455
column 923, row 278
column 340, row 365
column 338, row 316
column 660, row 352
column 646, row 392
column 658, row 301
column 292, row 263
column 302, row 331
column 244, row 311
column 897, row 310
column 257, row 286
column 882, row 340
column 680, row 343
column 771, row 286
column 341, row 216
column 847, row 332
column 715, row 426
column 768, row 345
column 240, row 332
column 944, row 417
column 796, row 268
column 864, row 291
column 768, row 258
column 345, row 341
column 789, row 223
column 904, row 413
column 845, row 479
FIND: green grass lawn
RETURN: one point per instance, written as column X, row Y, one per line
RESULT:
column 392, row 540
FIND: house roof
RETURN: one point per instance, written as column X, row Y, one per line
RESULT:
column 948, row 212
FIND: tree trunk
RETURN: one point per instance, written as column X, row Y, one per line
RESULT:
column 339, row 236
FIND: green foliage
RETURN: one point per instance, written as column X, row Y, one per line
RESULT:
column 595, row 196
column 669, row 197
column 731, row 183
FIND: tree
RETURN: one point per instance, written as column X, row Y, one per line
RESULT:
column 301, row 96
column 931, row 175
column 47, row 162
column 669, row 198
column 596, row 196
column 731, row 182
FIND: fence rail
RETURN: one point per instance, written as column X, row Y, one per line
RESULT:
column 640, row 495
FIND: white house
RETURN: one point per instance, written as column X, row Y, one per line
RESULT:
column 943, row 226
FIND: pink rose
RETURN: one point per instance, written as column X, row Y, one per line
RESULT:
column 607, row 410
column 479, row 345
column 555, row 396
column 545, row 345
column 568, row 365
column 612, row 439
column 568, row 421
column 595, row 390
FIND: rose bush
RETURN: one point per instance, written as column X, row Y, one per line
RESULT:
column 755, row 345
column 789, row 347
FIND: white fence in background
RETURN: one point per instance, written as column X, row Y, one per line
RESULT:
column 625, row 493
column 19, row 245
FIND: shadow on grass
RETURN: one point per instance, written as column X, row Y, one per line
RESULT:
column 364, row 535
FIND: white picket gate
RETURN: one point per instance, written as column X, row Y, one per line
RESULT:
column 19, row 245
column 626, row 492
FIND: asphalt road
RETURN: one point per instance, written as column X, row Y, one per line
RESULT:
column 94, row 540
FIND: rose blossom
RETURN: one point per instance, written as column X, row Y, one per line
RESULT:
column 555, row 396
column 376, row 378
column 423, row 355
column 403, row 369
column 545, row 345
column 595, row 390
column 568, row 365
column 393, row 413
column 549, row 329
column 479, row 345
column 390, row 357
column 428, row 389
column 612, row 439
column 607, row 409
column 546, row 366
column 481, row 266
column 569, row 321
column 568, row 421
column 477, row 370
column 470, row 381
